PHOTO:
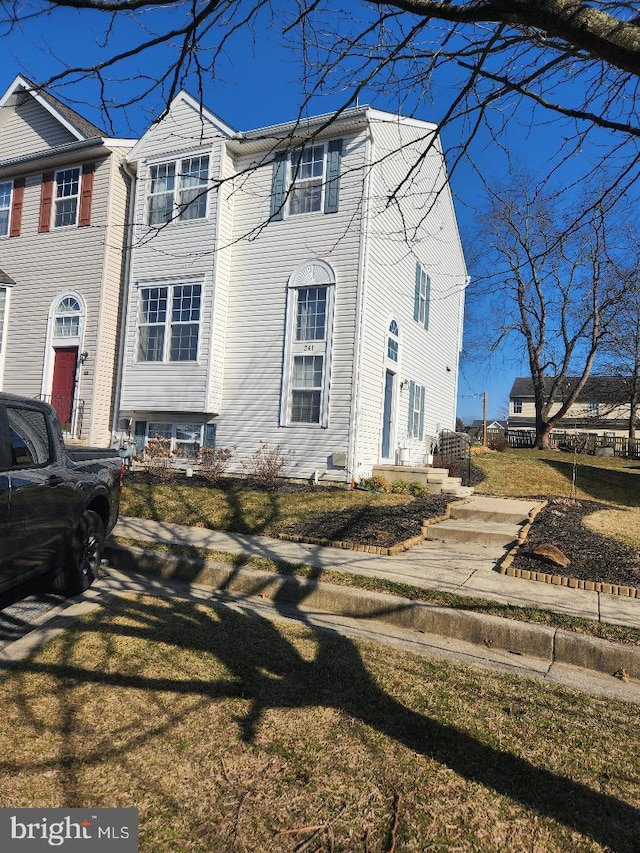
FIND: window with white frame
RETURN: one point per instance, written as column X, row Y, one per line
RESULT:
column 593, row 409
column 415, row 426
column 307, row 179
column 169, row 322
column 5, row 206
column 178, row 190
column 422, row 297
column 392, row 342
column 517, row 405
column 67, row 318
column 67, row 196
column 308, row 347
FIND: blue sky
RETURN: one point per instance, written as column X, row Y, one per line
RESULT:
column 258, row 85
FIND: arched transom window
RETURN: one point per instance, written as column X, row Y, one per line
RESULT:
column 67, row 318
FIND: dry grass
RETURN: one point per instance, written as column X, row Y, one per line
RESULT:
column 534, row 473
column 230, row 733
column 239, row 510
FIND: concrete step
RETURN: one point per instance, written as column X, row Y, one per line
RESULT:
column 474, row 531
column 457, row 490
column 493, row 509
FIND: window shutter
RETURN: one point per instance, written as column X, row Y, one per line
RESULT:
column 210, row 435
column 86, row 194
column 421, row 428
column 46, row 200
column 332, row 189
column 16, row 207
column 427, row 301
column 278, row 185
column 139, row 435
column 412, row 396
column 416, row 296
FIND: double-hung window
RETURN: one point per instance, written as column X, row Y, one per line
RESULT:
column 169, row 322
column 593, row 409
column 422, row 297
column 66, row 197
column 306, row 180
column 308, row 347
column 178, row 190
column 517, row 405
column 5, row 206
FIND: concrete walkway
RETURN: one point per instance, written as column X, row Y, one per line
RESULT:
column 463, row 568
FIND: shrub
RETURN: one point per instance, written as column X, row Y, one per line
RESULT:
column 375, row 484
column 413, row 487
column 499, row 443
column 267, row 466
column 158, row 458
column 214, row 462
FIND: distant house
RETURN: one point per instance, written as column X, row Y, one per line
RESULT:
column 476, row 428
column 277, row 296
column 63, row 214
column 602, row 407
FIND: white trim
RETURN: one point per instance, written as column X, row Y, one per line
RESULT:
column 10, row 208
column 311, row 273
column 50, row 347
column 168, row 283
column 4, row 326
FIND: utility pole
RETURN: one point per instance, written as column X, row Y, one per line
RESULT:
column 484, row 418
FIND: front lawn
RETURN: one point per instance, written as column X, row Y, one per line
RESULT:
column 238, row 508
column 231, row 733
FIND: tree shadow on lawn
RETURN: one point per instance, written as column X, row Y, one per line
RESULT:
column 603, row 484
column 269, row 671
column 193, row 511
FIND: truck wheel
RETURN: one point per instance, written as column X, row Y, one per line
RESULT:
column 83, row 560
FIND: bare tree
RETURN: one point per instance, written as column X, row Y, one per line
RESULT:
column 500, row 61
column 622, row 347
column 554, row 289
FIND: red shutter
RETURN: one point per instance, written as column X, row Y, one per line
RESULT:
column 46, row 199
column 16, row 208
column 86, row 193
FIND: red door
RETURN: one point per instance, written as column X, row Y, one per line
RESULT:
column 62, row 387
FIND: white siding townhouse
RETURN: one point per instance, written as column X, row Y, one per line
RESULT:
column 301, row 285
column 63, row 212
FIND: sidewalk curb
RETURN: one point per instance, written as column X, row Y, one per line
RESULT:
column 520, row 638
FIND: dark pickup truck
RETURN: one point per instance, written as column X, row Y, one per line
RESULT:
column 54, row 511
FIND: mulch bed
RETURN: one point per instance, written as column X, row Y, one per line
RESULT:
column 383, row 526
column 593, row 557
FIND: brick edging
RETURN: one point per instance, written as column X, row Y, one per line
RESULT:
column 373, row 549
column 506, row 567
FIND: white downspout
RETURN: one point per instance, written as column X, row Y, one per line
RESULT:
column 353, row 460
column 128, row 249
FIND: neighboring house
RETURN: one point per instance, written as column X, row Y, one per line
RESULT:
column 280, row 293
column 63, row 211
column 602, row 407
column 493, row 427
